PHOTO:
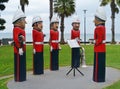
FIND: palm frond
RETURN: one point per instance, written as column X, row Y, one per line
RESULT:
column 64, row 7
column 2, row 1
column 2, row 27
column 2, row 7
column 2, row 21
column 27, row 2
column 118, row 2
column 117, row 10
column 24, row 2
column 105, row 2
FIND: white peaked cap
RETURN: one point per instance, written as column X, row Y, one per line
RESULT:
column 100, row 13
column 36, row 19
column 76, row 19
column 18, row 14
column 54, row 19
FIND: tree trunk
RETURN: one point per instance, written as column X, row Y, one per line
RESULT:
column 51, row 9
column 62, row 30
column 113, row 21
column 113, row 31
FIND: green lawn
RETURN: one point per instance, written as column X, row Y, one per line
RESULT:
column 6, row 59
column 3, row 83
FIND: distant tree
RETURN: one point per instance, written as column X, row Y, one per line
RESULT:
column 23, row 3
column 2, row 21
column 64, row 8
column 114, row 4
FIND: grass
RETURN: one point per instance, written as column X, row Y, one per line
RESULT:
column 114, row 86
column 6, row 59
column 113, row 56
column 3, row 83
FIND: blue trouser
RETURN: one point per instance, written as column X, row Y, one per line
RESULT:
column 20, row 67
column 54, row 62
column 99, row 67
column 38, row 63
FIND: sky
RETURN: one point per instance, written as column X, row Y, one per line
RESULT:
column 41, row 8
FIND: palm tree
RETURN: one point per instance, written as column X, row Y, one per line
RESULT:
column 64, row 8
column 23, row 3
column 114, row 9
column 2, row 22
column 51, row 8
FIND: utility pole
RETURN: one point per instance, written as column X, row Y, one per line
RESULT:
column 84, row 26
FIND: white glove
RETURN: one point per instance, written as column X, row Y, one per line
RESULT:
column 60, row 47
column 34, row 51
column 20, row 51
column 77, row 39
column 51, row 48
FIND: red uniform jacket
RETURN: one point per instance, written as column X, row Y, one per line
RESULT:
column 38, row 39
column 75, row 35
column 99, row 37
column 54, row 39
column 17, row 31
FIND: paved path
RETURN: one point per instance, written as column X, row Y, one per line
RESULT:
column 59, row 80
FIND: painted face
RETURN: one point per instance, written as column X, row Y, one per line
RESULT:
column 22, row 23
column 96, row 21
column 55, row 25
column 76, row 26
column 40, row 25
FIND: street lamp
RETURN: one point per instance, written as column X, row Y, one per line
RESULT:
column 84, row 26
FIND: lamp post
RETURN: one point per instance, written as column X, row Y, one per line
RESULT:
column 84, row 26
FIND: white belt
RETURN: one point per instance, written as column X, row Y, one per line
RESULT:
column 55, row 41
column 39, row 43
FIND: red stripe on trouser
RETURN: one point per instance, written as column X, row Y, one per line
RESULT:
column 50, row 60
column 96, row 68
column 18, row 67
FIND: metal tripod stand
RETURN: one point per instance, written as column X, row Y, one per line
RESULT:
column 74, row 71
column 75, row 56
